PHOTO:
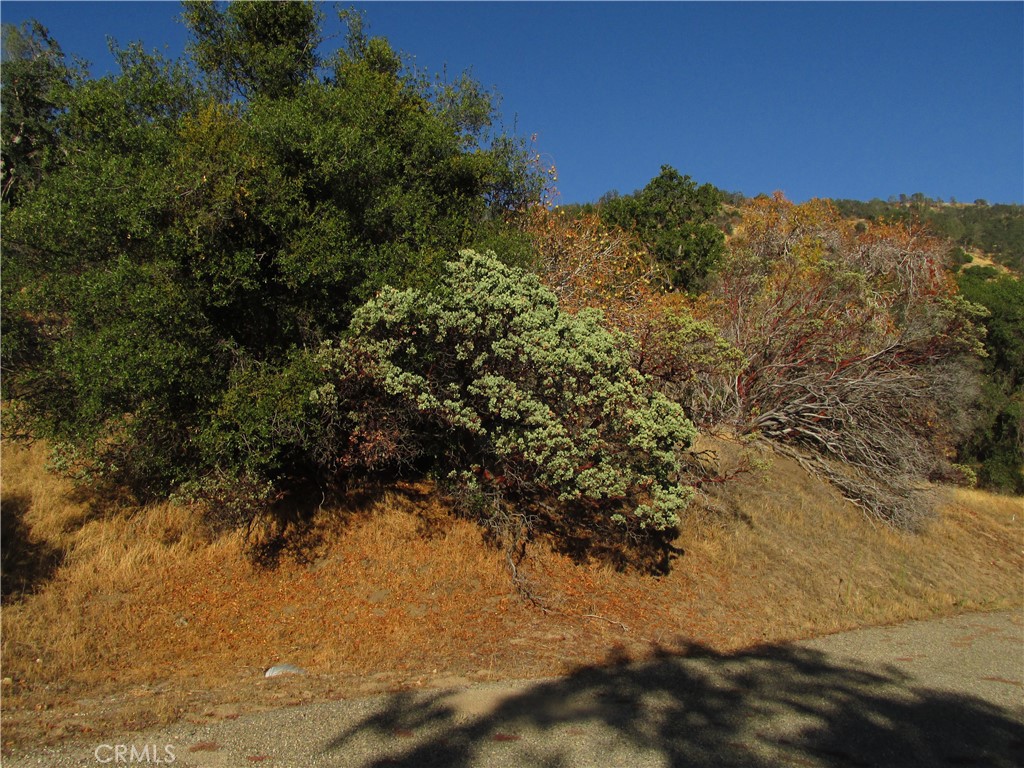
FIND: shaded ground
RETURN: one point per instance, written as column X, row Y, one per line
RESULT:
column 25, row 563
column 938, row 693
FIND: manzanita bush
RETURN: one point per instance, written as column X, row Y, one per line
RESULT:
column 857, row 346
column 508, row 398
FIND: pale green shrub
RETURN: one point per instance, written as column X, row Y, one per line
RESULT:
column 508, row 399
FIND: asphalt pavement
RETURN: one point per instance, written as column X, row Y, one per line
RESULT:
column 948, row 692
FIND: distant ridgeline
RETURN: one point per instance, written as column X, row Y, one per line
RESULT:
column 997, row 230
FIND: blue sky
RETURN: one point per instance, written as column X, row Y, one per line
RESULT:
column 846, row 100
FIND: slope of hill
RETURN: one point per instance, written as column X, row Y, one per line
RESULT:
column 996, row 231
column 120, row 618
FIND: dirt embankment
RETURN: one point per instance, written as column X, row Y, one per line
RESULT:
column 121, row 619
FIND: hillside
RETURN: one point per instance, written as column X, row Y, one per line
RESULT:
column 989, row 232
column 338, row 387
column 137, row 616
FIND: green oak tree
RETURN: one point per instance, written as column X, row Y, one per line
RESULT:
column 996, row 446
column 180, row 236
column 674, row 219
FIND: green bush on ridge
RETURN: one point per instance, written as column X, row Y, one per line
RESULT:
column 995, row 447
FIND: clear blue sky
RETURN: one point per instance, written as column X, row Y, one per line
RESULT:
column 854, row 100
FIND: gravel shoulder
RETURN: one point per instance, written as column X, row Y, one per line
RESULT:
column 934, row 693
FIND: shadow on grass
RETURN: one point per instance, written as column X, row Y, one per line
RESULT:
column 291, row 530
column 25, row 563
column 693, row 707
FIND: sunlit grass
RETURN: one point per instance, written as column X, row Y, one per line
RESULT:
column 397, row 591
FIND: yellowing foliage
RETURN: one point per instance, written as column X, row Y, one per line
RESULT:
column 588, row 264
column 856, row 346
column 591, row 265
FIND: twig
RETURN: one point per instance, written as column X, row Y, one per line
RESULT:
column 605, row 618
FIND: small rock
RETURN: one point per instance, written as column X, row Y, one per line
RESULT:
column 284, row 669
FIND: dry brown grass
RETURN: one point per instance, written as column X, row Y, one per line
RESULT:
column 801, row 561
column 981, row 259
column 140, row 616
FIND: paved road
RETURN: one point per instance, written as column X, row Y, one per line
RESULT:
column 938, row 693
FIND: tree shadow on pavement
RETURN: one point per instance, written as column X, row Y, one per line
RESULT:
column 694, row 707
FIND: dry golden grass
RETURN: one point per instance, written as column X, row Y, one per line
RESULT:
column 802, row 561
column 139, row 617
column 981, row 259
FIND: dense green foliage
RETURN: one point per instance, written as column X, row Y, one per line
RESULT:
column 36, row 81
column 246, row 51
column 996, row 446
column 994, row 229
column 507, row 397
column 174, row 239
column 676, row 221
